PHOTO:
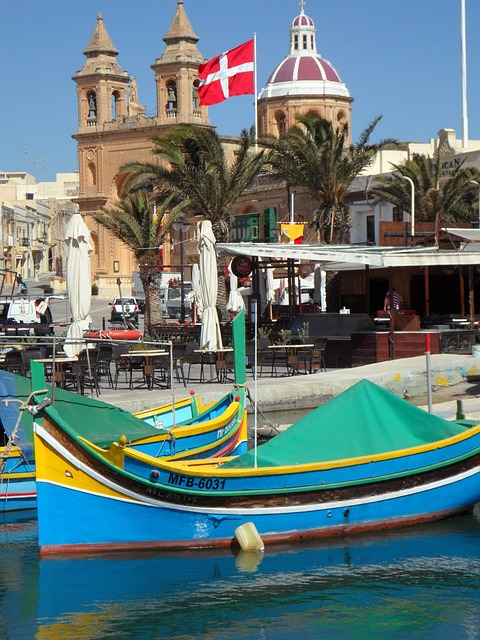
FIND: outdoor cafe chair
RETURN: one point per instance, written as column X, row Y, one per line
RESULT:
column 121, row 365
column 193, row 359
column 84, row 370
column 15, row 362
column 318, row 355
column 266, row 357
column 102, row 367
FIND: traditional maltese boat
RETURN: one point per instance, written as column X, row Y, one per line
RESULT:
column 187, row 429
column 366, row 460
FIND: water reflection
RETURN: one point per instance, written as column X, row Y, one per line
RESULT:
column 421, row 582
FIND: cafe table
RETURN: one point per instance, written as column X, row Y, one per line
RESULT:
column 147, row 359
column 294, row 354
column 59, row 368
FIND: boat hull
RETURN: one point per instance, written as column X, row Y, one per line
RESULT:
column 122, row 511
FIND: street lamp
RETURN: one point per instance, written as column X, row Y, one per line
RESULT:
column 478, row 185
column 412, row 206
column 179, row 225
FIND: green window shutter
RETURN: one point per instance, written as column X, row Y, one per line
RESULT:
column 270, row 227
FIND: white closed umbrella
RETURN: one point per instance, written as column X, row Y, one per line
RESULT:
column 79, row 286
column 210, row 336
column 235, row 299
column 319, row 292
column 196, row 292
column 270, row 286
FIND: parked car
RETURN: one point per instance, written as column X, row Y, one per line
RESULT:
column 25, row 316
column 124, row 308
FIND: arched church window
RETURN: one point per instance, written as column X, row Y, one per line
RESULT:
column 281, row 124
column 114, row 105
column 92, row 105
column 295, row 42
column 172, row 95
column 305, row 42
column 195, row 98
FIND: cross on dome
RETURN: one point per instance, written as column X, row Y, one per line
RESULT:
column 302, row 6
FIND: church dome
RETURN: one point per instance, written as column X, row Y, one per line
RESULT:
column 304, row 71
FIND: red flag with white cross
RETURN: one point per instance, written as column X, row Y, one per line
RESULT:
column 229, row 74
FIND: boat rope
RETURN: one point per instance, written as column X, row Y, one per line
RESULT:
column 25, row 405
column 169, row 436
column 275, row 427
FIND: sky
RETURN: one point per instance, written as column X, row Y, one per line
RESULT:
column 400, row 59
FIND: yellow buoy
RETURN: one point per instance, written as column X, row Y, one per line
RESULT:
column 249, row 538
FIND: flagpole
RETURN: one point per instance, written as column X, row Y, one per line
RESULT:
column 464, row 75
column 255, row 88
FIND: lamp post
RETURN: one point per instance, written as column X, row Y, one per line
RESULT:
column 412, row 206
column 179, row 225
column 478, row 185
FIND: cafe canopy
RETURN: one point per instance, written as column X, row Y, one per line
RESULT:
column 354, row 257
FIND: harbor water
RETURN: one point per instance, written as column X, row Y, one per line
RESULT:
column 414, row 583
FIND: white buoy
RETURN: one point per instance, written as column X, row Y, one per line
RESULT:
column 249, row 538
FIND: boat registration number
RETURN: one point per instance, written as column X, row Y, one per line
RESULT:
column 209, row 484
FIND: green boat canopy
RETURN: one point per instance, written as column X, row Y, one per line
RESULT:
column 97, row 421
column 363, row 420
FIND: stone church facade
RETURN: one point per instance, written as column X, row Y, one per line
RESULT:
column 113, row 128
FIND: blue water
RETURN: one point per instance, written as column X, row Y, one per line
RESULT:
column 415, row 583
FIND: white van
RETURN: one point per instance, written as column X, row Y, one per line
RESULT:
column 171, row 301
column 25, row 316
column 170, row 298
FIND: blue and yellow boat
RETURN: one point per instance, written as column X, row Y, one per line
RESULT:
column 186, row 430
column 366, row 460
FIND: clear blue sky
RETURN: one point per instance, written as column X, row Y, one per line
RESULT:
column 401, row 60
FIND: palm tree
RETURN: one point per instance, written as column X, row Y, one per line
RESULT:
column 143, row 228
column 453, row 197
column 196, row 168
column 316, row 155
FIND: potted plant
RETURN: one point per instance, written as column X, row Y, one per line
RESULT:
column 304, row 332
column 284, row 336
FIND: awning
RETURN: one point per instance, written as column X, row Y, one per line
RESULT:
column 349, row 257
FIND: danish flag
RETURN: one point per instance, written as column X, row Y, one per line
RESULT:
column 229, row 74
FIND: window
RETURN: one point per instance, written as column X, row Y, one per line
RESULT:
column 270, row 227
column 114, row 105
column 281, row 124
column 370, row 229
column 92, row 105
column 195, row 99
column 171, row 95
column 246, row 228
column 397, row 214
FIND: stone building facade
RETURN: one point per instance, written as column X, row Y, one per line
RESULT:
column 113, row 129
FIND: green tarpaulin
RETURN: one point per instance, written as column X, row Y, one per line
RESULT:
column 94, row 420
column 363, row 420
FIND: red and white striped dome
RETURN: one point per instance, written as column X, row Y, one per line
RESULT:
column 304, row 71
